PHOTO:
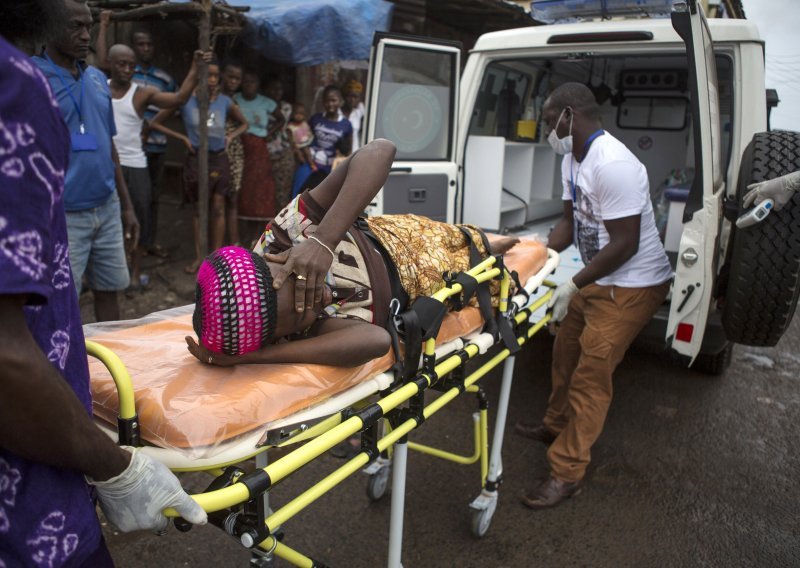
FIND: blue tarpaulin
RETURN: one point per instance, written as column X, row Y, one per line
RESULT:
column 311, row 32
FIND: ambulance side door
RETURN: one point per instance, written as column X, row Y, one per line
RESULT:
column 697, row 253
column 412, row 99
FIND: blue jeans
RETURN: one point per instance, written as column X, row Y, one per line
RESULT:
column 96, row 247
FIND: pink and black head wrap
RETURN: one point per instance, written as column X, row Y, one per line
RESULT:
column 236, row 306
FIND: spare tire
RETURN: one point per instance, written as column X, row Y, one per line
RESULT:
column 765, row 260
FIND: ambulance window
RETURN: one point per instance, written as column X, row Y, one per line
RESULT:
column 500, row 101
column 416, row 102
column 725, row 87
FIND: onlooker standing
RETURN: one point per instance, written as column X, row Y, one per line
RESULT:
column 353, row 109
column 257, row 197
column 148, row 75
column 48, row 441
column 280, row 148
column 95, row 194
column 333, row 135
column 219, row 171
column 301, row 137
column 145, row 74
column 231, row 81
column 129, row 102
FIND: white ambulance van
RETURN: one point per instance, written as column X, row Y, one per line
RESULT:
column 685, row 94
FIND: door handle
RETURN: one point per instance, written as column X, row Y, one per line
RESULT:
column 417, row 195
column 401, row 170
column 689, row 291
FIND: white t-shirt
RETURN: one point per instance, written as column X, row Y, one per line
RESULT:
column 611, row 183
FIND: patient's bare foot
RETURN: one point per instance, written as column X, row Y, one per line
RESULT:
column 503, row 244
column 192, row 268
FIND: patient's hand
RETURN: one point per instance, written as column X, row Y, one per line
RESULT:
column 503, row 245
column 209, row 357
column 310, row 261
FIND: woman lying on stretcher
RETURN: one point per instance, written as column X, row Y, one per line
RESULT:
column 318, row 280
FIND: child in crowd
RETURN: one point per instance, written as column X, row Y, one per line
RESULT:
column 301, row 137
column 333, row 136
column 219, row 173
column 333, row 132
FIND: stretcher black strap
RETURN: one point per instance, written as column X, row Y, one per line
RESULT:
column 520, row 289
column 397, row 310
column 483, row 294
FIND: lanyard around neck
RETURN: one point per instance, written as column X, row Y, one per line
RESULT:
column 596, row 134
column 78, row 105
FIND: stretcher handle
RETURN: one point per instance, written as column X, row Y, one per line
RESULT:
column 127, row 405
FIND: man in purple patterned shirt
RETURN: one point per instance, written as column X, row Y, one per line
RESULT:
column 49, row 446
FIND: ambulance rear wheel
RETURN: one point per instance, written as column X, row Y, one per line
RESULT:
column 764, row 284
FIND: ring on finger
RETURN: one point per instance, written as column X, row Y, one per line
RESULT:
column 300, row 277
column 210, row 359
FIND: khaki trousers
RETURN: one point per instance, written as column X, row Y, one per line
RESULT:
column 600, row 325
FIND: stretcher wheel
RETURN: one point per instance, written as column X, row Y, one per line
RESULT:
column 481, row 520
column 378, row 483
column 483, row 508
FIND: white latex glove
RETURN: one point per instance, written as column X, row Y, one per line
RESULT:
column 134, row 500
column 560, row 299
column 780, row 190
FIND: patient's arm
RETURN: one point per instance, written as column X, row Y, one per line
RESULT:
column 502, row 245
column 344, row 194
column 332, row 341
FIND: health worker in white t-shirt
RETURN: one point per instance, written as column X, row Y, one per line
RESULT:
column 600, row 310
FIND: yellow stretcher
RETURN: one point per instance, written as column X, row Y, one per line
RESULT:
column 195, row 417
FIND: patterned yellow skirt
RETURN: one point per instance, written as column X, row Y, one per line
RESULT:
column 423, row 250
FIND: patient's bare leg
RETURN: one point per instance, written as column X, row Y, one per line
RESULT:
column 503, row 244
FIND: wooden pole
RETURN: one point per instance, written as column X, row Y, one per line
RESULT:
column 204, row 41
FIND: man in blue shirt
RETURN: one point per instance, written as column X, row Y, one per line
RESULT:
column 95, row 195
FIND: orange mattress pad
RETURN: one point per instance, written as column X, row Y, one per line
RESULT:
column 183, row 403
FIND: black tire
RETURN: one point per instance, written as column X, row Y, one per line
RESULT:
column 765, row 261
column 714, row 364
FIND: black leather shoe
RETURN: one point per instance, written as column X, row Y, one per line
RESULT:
column 550, row 493
column 538, row 432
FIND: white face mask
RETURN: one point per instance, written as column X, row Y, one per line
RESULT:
column 561, row 145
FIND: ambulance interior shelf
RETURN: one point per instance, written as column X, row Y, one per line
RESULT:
column 510, row 183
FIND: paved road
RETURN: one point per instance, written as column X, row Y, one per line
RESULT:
column 690, row 471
